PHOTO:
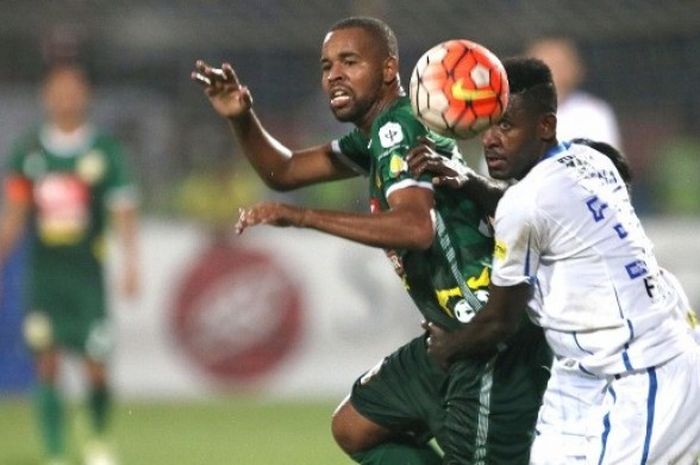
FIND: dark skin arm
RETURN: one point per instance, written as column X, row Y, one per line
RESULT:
column 423, row 158
column 489, row 328
column 278, row 166
column 407, row 224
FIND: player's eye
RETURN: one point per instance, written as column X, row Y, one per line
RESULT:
column 504, row 125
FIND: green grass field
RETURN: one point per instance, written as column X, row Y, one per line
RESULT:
column 227, row 431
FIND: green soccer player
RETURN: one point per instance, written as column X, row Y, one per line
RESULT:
column 63, row 179
column 481, row 411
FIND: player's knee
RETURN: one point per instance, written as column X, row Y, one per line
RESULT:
column 354, row 433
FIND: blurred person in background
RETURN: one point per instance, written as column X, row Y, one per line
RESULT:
column 579, row 114
column 482, row 411
column 65, row 181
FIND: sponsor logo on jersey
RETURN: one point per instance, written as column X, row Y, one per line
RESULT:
column 397, row 165
column 468, row 95
column 91, row 167
column 390, row 134
column 500, row 249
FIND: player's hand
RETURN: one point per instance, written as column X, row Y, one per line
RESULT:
column 423, row 158
column 439, row 343
column 274, row 214
column 229, row 98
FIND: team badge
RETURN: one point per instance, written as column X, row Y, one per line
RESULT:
column 91, row 167
column 390, row 134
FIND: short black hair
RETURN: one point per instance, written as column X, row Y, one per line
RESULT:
column 378, row 28
column 616, row 157
column 532, row 79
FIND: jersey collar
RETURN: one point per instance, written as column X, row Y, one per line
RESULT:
column 556, row 150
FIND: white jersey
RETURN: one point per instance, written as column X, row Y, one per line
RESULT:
column 568, row 227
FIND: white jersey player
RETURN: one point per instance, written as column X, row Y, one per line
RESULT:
column 571, row 252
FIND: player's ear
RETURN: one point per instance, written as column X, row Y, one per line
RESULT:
column 391, row 69
column 548, row 126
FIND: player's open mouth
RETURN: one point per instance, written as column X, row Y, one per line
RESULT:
column 495, row 162
column 339, row 98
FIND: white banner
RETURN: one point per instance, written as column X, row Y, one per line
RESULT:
column 282, row 312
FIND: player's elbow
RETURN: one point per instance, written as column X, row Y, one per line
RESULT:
column 421, row 234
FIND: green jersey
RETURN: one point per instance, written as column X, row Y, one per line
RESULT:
column 459, row 260
column 70, row 191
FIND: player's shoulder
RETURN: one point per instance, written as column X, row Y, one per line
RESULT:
column 397, row 125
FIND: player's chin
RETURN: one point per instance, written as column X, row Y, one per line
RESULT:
column 344, row 114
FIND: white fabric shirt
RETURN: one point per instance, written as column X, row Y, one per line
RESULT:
column 568, row 227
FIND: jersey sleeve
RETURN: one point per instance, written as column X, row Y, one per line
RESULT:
column 352, row 151
column 518, row 243
column 120, row 189
column 390, row 144
column 17, row 186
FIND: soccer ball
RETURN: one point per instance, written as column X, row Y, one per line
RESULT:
column 458, row 88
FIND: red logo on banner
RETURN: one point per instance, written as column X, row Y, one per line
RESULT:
column 237, row 313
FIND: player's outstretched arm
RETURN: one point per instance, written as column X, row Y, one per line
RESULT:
column 278, row 166
column 446, row 172
column 406, row 225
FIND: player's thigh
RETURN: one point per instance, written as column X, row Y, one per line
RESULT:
column 493, row 405
column 403, row 393
column 650, row 416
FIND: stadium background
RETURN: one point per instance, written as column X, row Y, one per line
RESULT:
column 240, row 347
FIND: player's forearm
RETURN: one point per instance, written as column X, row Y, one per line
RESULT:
column 126, row 228
column 389, row 230
column 12, row 222
column 484, row 192
column 269, row 157
column 491, row 327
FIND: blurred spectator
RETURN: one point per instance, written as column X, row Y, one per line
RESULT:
column 63, row 178
column 675, row 185
column 580, row 114
column 214, row 190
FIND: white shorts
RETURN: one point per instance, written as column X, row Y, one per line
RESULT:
column 649, row 417
column 572, row 396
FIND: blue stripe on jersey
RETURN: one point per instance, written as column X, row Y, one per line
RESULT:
column 583, row 369
column 617, row 299
column 626, row 359
column 527, row 258
column 651, row 404
column 579, row 345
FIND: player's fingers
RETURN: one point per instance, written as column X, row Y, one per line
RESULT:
column 427, row 142
column 230, row 74
column 200, row 79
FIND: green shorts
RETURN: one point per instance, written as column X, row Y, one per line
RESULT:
column 74, row 314
column 481, row 412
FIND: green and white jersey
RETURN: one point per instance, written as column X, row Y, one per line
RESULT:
column 449, row 281
column 70, row 185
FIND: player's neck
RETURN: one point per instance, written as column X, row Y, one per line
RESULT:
column 380, row 106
